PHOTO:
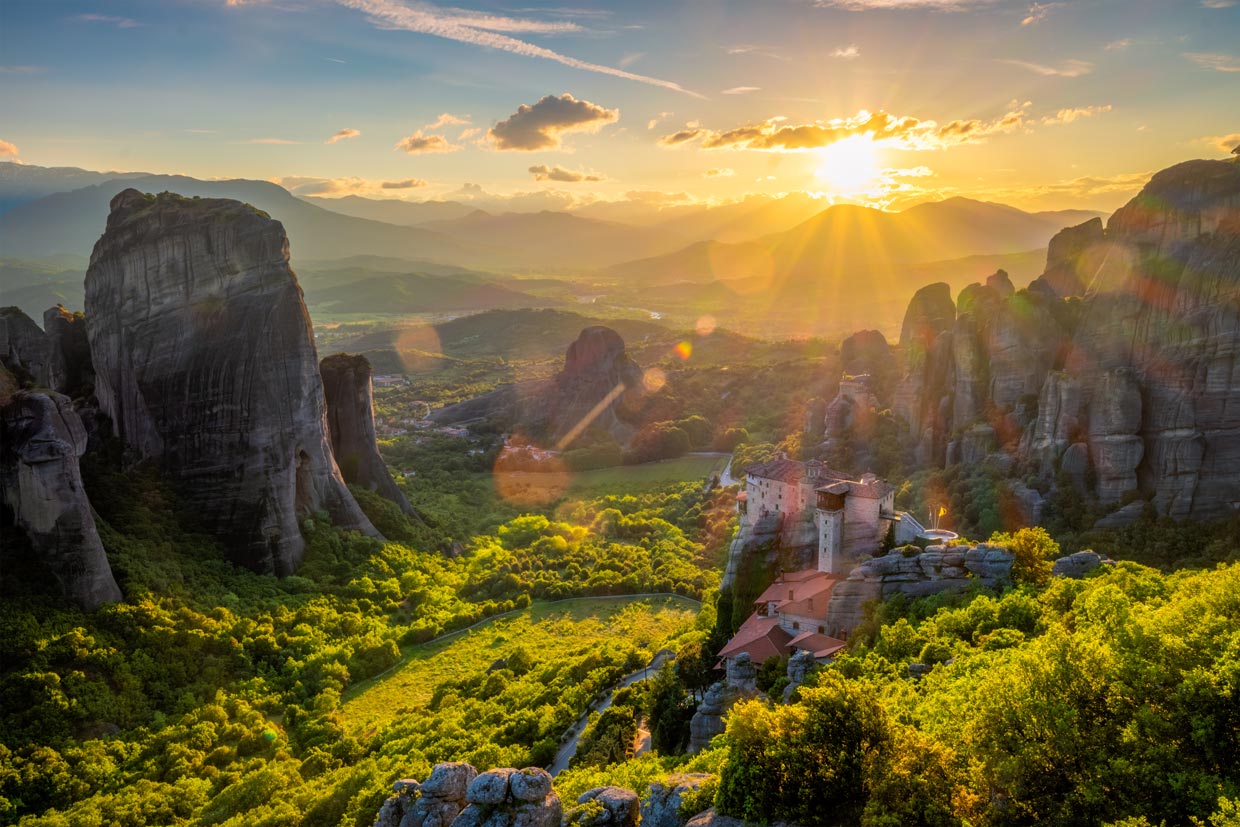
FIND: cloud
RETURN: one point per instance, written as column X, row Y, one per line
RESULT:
column 419, row 144
column 657, row 119
column 750, row 49
column 406, row 184
column 903, row 132
column 1085, row 187
column 629, row 59
column 1218, row 4
column 8, row 150
column 343, row 135
column 1118, row 45
column 1215, row 60
column 1223, row 143
column 848, row 52
column 447, row 119
column 425, row 18
column 718, row 172
column 541, row 126
column 118, row 22
column 21, row 69
column 741, row 90
column 1067, row 69
column 466, row 134
column 542, row 172
column 276, row 141
column 899, row 5
column 1038, row 13
column 1075, row 114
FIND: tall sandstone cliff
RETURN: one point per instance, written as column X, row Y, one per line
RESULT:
column 349, row 394
column 205, row 362
column 1120, row 366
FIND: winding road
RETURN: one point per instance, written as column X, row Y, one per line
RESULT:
column 569, row 748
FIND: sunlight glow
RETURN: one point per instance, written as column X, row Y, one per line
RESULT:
column 849, row 166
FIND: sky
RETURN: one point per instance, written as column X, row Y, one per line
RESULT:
column 886, row 102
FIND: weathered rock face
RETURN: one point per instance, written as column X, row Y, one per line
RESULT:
column 930, row 312
column 456, row 794
column 351, row 421
column 937, row 569
column 619, row 807
column 1072, row 258
column 41, row 439
column 707, row 721
column 1079, row 564
column 1137, row 384
column 205, row 362
column 661, row 807
column 597, row 372
column 68, row 369
column 511, row 798
column 23, row 347
column 799, row 666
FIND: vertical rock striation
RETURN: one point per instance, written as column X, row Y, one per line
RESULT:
column 205, row 362
column 351, row 421
column 41, row 439
column 68, row 369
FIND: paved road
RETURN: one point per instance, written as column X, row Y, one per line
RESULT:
column 569, row 749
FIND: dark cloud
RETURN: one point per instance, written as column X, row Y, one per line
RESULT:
column 541, row 126
column 407, row 184
column 418, row 144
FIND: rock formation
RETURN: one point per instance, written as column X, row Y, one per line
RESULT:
column 456, row 794
column 914, row 574
column 41, row 439
column 1079, row 564
column 68, row 369
column 351, row 421
column 205, row 363
column 799, row 666
column 740, row 683
column 23, row 347
column 599, row 387
column 616, row 807
column 1133, row 387
column 661, row 807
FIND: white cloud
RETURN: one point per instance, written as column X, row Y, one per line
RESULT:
column 1066, row 69
column 420, row 144
column 1038, row 12
column 438, row 22
column 902, row 5
column 274, row 141
column 1215, row 60
column 8, row 150
column 658, row 119
column 448, row 119
column 542, row 172
column 1223, row 143
column 1075, row 114
column 848, row 52
column 343, row 135
column 741, row 90
column 109, row 19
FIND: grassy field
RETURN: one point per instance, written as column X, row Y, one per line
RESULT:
column 549, row 629
column 547, row 486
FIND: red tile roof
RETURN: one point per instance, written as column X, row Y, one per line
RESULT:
column 806, row 593
column 819, row 645
column 759, row 637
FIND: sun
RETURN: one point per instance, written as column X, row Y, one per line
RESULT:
column 850, row 165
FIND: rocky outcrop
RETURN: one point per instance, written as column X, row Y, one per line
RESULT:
column 205, row 363
column 351, row 422
column 68, row 369
column 1079, row 565
column 511, row 798
column 1132, row 387
column 457, row 794
column 915, row 574
column 615, row 807
column 1072, row 259
column 661, row 807
column 23, row 347
column 799, row 666
column 867, row 352
column 707, row 721
column 41, row 440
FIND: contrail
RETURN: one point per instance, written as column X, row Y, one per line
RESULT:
column 427, row 19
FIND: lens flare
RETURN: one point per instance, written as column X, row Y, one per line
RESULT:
column 684, row 350
column 849, row 166
column 705, row 325
column 653, row 380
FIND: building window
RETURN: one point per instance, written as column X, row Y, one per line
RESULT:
column 796, row 627
column 822, row 630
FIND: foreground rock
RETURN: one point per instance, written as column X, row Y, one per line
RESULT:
column 435, row 803
column 41, row 439
column 511, row 798
column 23, row 347
column 68, row 369
column 205, row 362
column 661, row 808
column 615, row 807
column 351, row 421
